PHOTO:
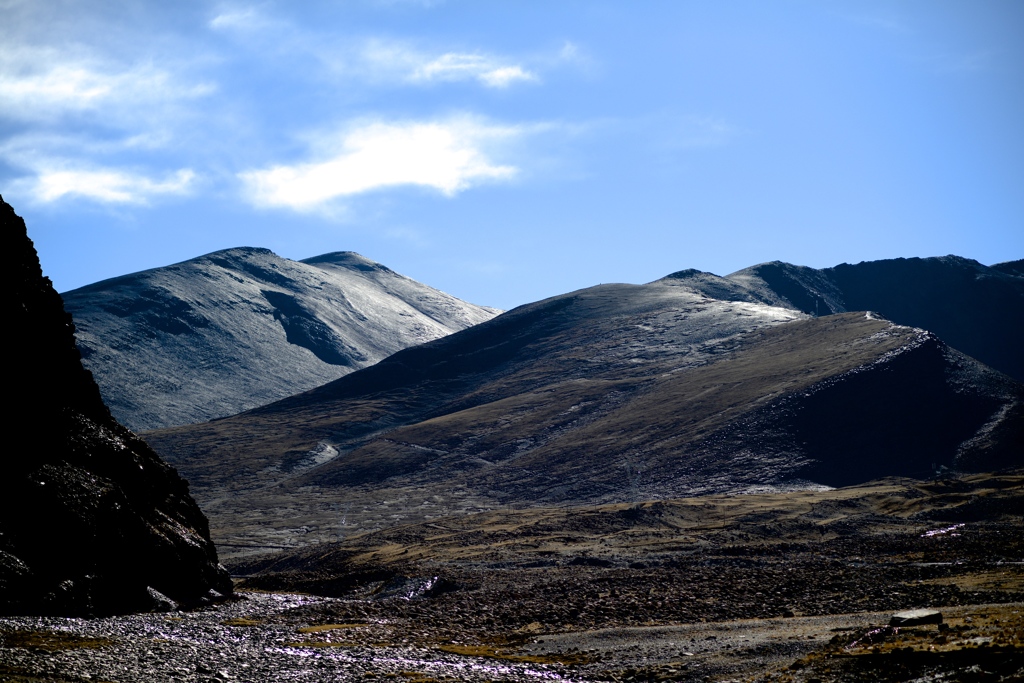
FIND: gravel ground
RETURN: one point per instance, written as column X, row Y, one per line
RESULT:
column 238, row 642
column 225, row 643
column 799, row 649
column 791, row 589
column 693, row 651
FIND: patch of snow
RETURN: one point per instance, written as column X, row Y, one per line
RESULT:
column 945, row 530
column 322, row 453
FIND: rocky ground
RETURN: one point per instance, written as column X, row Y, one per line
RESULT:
column 231, row 642
column 270, row 637
column 796, row 587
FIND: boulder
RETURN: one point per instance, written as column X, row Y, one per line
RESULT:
column 916, row 617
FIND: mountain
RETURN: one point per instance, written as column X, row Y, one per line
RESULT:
column 91, row 520
column 238, row 328
column 609, row 394
column 974, row 308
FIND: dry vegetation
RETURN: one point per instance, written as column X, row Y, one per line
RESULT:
column 759, row 585
column 622, row 408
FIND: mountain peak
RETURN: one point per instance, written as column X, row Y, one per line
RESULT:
column 240, row 327
column 346, row 259
column 237, row 252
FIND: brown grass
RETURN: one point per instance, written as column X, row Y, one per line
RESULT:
column 51, row 641
column 320, row 628
column 242, row 621
column 492, row 652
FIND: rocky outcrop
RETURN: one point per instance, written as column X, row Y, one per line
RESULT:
column 92, row 522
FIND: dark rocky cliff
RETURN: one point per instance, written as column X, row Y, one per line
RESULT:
column 91, row 520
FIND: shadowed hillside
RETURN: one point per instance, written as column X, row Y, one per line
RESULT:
column 609, row 394
column 976, row 309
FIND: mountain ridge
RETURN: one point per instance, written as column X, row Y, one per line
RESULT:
column 233, row 329
column 975, row 308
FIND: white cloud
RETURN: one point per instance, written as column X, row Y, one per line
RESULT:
column 248, row 19
column 455, row 66
column 43, row 84
column 570, row 52
column 106, row 185
column 82, row 120
column 448, row 156
column 69, row 85
column 236, row 19
column 389, row 60
column 35, row 150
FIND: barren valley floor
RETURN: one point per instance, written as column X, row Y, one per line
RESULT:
column 790, row 587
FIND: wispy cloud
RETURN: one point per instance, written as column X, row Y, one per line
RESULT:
column 43, row 84
column 401, row 62
column 124, row 110
column 379, row 60
column 251, row 20
column 448, row 156
column 108, row 186
column 455, row 66
column 246, row 18
column 87, row 114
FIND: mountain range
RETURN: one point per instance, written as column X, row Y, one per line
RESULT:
column 235, row 329
column 689, row 385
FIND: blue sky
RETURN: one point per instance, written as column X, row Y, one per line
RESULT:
column 509, row 151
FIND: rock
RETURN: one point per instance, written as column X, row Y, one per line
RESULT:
column 90, row 518
column 916, row 617
column 161, row 603
column 591, row 562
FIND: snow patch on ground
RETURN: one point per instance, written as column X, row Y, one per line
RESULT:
column 322, row 453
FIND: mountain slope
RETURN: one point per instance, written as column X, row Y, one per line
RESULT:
column 974, row 308
column 612, row 393
column 238, row 328
column 91, row 521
